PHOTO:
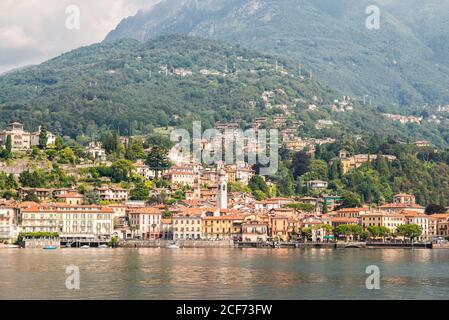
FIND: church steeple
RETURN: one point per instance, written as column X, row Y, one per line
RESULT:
column 222, row 195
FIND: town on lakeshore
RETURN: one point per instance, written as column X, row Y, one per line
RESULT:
column 126, row 191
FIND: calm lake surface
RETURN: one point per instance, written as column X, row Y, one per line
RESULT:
column 224, row 273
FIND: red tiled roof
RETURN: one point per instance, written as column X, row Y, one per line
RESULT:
column 146, row 210
column 344, row 220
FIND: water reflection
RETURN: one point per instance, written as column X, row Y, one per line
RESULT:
column 224, row 274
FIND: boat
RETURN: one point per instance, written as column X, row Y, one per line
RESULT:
column 48, row 247
column 173, row 246
column 103, row 246
column 85, row 247
column 12, row 246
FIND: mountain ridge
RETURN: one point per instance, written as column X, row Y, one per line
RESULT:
column 403, row 62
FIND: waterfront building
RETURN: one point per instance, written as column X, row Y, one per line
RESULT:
column 352, row 212
column 70, row 221
column 254, row 231
column 225, row 227
column 146, row 222
column 336, row 221
column 166, row 229
column 82, row 222
column 278, row 227
column 391, row 220
column 8, row 224
column 420, row 219
column 187, row 226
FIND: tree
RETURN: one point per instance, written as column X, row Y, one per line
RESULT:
column 284, row 182
column 374, row 231
column 43, row 138
column 307, row 207
column 317, row 170
column 306, row 233
column 121, row 170
column 435, row 208
column 67, row 156
column 410, row 231
column 259, row 187
column 9, row 144
column 59, row 143
column 139, row 192
column 259, row 195
column 157, row 159
column 91, row 197
column 11, row 182
column 135, row 150
column 111, row 142
column 378, row 231
column 350, row 200
column 33, row 179
column 159, row 140
column 300, row 164
column 238, row 187
column 347, row 230
column 336, row 170
column 31, row 196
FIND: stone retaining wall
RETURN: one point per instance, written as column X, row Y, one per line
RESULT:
column 180, row 243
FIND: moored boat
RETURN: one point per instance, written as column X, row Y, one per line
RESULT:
column 48, row 247
column 173, row 246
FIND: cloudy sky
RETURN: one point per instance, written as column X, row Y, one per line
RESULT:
column 32, row 31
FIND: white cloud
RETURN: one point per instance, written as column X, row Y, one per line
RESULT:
column 32, row 31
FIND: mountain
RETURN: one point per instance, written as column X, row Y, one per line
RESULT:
column 404, row 62
column 170, row 81
column 173, row 80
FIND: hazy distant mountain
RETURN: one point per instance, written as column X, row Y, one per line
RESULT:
column 405, row 61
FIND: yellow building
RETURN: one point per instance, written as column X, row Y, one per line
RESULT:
column 382, row 219
column 226, row 227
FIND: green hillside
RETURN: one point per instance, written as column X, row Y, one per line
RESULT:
column 134, row 87
column 404, row 62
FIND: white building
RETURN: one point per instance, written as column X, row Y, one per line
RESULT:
column 317, row 184
column 21, row 139
column 144, row 170
column 96, row 151
column 112, row 194
column 8, row 224
column 145, row 222
column 70, row 221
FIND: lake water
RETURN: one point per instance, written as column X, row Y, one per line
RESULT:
column 224, row 273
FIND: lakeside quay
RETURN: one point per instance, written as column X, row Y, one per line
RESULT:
column 269, row 244
column 159, row 243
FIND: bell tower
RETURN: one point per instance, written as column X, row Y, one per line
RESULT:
column 222, row 195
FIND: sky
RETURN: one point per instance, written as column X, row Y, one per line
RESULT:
column 32, row 31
